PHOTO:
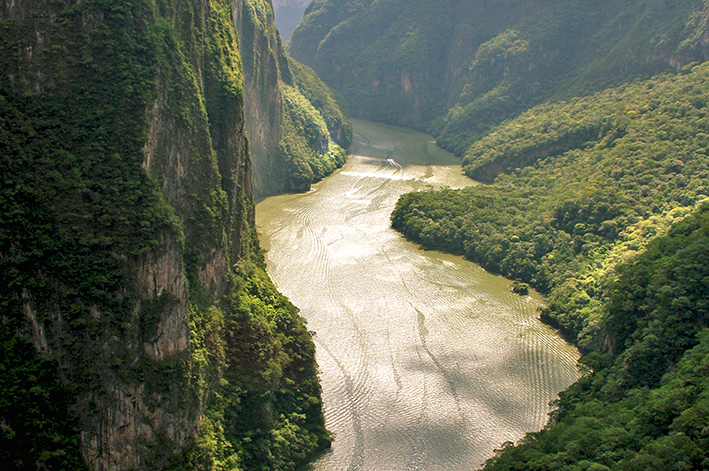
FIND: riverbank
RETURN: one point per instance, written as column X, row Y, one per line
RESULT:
column 426, row 360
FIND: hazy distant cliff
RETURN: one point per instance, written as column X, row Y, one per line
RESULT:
column 128, row 253
column 296, row 128
column 288, row 15
column 457, row 67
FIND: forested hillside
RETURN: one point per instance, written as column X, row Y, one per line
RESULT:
column 600, row 202
column 590, row 182
column 456, row 68
column 139, row 329
column 646, row 404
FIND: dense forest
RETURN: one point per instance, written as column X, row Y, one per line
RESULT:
column 139, row 329
column 645, row 406
column 589, row 182
column 457, row 68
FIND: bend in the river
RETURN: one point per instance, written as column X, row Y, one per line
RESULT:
column 427, row 361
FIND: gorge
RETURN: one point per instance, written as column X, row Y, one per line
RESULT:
column 140, row 328
column 427, row 361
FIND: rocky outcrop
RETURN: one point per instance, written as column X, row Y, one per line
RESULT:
column 278, row 164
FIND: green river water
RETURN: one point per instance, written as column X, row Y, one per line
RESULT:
column 427, row 361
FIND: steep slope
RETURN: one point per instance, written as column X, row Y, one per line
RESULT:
column 457, row 67
column 645, row 405
column 290, row 147
column 139, row 329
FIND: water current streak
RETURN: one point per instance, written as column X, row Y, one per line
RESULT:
column 427, row 362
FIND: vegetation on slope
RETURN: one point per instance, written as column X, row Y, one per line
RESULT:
column 646, row 404
column 315, row 130
column 79, row 207
column 265, row 413
column 286, row 106
column 599, row 176
column 604, row 209
column 306, row 144
column 458, row 68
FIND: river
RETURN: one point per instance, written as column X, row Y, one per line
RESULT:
column 427, row 361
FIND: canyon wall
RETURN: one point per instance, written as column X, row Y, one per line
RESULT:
column 128, row 249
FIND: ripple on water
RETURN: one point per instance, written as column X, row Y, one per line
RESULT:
column 426, row 361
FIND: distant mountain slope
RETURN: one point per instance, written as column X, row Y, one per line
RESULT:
column 288, row 15
column 297, row 131
column 457, row 67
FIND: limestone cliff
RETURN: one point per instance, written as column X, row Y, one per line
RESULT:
column 127, row 247
column 282, row 157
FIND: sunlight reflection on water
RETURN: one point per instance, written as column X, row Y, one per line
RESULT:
column 427, row 361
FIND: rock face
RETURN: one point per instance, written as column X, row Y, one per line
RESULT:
column 263, row 57
column 127, row 204
column 457, row 67
column 278, row 164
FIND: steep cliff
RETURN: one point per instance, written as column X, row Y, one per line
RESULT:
column 128, row 252
column 456, row 67
column 284, row 114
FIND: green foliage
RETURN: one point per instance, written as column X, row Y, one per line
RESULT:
column 300, row 152
column 324, row 100
column 82, row 202
column 520, row 288
column 646, row 404
column 459, row 68
column 306, row 146
column 75, row 203
column 374, row 47
column 45, row 435
column 272, row 358
column 265, row 412
column 315, row 130
column 604, row 174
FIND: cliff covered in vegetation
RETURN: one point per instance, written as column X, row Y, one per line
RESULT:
column 644, row 406
column 296, row 128
column 456, row 68
column 139, row 330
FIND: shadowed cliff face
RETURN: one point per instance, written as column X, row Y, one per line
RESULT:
column 126, row 191
column 262, row 54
